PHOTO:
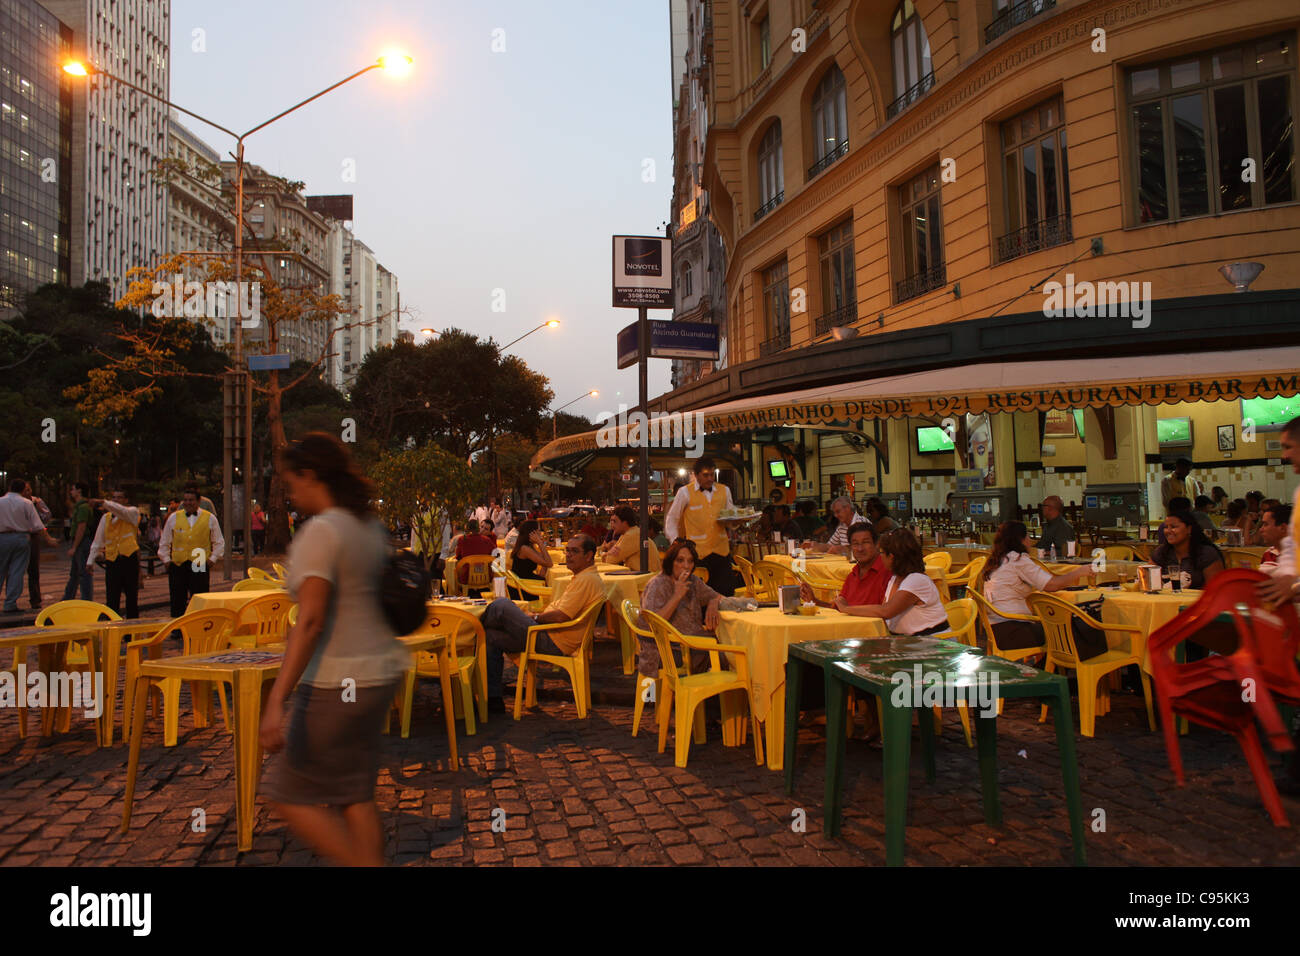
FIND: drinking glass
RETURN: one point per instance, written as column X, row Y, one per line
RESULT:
column 435, row 589
column 1174, row 574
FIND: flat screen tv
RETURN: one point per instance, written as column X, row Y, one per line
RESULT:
column 1270, row 414
column 931, row 440
column 1174, row 432
column 777, row 469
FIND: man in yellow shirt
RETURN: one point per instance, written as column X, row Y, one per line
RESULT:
column 191, row 542
column 627, row 549
column 507, row 626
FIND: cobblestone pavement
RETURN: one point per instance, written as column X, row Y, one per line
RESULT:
column 582, row 792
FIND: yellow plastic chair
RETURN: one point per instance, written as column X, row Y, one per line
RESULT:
column 574, row 665
column 690, row 691
column 292, row 618
column 280, row 570
column 769, row 576
column 202, row 632
column 1120, row 552
column 263, row 620
column 822, row 588
column 967, row 575
column 535, row 592
column 469, row 665
column 1240, row 558
column 963, row 619
column 1056, row 616
column 702, row 573
column 939, row 559
column 629, row 613
column 480, row 573
column 746, row 569
column 66, row 613
column 257, row 574
column 985, row 607
column 258, row 584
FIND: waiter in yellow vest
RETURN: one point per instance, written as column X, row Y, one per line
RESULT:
column 117, row 537
column 191, row 542
column 694, row 515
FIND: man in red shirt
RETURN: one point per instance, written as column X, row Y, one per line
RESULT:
column 484, row 542
column 867, row 581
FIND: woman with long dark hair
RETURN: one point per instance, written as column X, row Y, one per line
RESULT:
column 1010, row 576
column 912, row 603
column 342, row 656
column 1186, row 546
column 681, row 599
column 530, row 553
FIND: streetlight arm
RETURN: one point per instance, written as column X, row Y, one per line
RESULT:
column 346, row 79
column 96, row 71
column 522, row 337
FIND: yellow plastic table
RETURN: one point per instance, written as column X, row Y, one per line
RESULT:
column 766, row 634
column 51, row 645
column 224, row 600
column 248, row 672
column 106, row 658
column 619, row 585
column 1147, row 610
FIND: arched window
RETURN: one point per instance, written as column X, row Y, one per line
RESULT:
column 771, row 177
column 687, row 290
column 830, row 120
column 911, row 47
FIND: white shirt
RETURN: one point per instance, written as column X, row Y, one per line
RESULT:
column 501, row 522
column 673, row 520
column 841, row 535
column 19, row 514
column 919, row 617
column 1013, row 581
column 130, row 515
column 214, row 534
column 1191, row 490
column 480, row 513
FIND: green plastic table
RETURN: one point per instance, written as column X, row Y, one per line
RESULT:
column 869, row 664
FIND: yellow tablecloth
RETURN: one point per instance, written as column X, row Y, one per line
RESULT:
column 766, row 634
column 619, row 587
column 226, row 600
column 831, row 567
column 1147, row 610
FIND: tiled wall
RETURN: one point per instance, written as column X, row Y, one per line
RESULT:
column 1033, row 486
column 931, row 491
column 1276, row 481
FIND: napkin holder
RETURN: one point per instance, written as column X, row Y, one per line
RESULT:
column 1148, row 578
column 788, row 598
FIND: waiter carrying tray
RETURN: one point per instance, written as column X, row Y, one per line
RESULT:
column 694, row 516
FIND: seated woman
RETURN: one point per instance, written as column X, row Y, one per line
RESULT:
column 681, row 599
column 912, row 605
column 1186, row 546
column 1240, row 517
column 529, row 557
column 1010, row 576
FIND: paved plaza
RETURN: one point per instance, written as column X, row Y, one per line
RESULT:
column 563, row 791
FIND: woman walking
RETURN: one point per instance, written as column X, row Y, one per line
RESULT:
column 342, row 655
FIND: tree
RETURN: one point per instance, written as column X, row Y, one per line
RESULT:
column 456, row 390
column 428, row 487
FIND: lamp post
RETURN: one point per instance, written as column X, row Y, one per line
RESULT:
column 548, row 324
column 237, row 384
column 556, row 414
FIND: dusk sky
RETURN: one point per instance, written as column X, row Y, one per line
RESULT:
column 479, row 170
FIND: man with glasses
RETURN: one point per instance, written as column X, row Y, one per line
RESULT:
column 118, row 538
column 506, row 625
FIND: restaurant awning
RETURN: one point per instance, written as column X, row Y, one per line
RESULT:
column 975, row 388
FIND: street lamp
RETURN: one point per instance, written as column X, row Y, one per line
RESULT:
column 240, row 381
column 555, row 414
column 548, row 324
column 429, row 333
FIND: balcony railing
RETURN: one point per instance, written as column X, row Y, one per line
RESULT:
column 920, row 283
column 777, row 343
column 768, row 206
column 845, row 315
column 1039, row 235
column 910, row 96
column 1015, row 15
column 829, row 158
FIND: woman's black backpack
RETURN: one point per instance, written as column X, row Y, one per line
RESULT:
column 404, row 591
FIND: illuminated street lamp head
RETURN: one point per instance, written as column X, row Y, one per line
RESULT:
column 593, row 393
column 552, row 323
column 395, row 63
column 429, row 332
column 76, row 68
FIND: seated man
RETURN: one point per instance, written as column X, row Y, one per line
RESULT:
column 507, row 626
column 1056, row 530
column 784, row 525
column 1275, row 533
column 625, row 549
column 1204, row 506
column 809, row 522
column 484, row 542
column 838, row 543
column 868, row 580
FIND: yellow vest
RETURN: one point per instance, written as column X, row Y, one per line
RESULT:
column 119, row 538
column 701, row 521
column 185, row 540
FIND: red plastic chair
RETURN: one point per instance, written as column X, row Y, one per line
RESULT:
column 1211, row 691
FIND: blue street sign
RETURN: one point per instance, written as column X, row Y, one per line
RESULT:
column 686, row 340
column 265, row 363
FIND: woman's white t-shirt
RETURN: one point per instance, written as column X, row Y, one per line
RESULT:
column 919, row 617
column 1013, row 581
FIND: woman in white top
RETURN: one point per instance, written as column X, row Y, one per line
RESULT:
column 912, row 604
column 1010, row 576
